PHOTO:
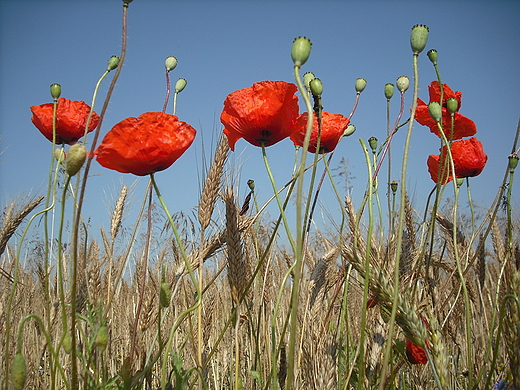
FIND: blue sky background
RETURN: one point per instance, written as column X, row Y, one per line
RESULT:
column 223, row 46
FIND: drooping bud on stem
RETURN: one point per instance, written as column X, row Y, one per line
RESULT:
column 18, row 372
column 75, row 158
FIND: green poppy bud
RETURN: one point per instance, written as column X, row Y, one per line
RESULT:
column 102, row 338
column 435, row 110
column 393, row 186
column 361, row 83
column 180, row 85
column 316, row 87
column 165, row 295
column 349, row 130
column 170, row 63
column 18, row 372
column 55, row 91
column 453, row 105
column 389, row 91
column 419, row 38
column 251, row 184
column 372, row 141
column 59, row 155
column 67, row 343
column 301, row 49
column 307, row 78
column 433, row 55
column 459, row 181
column 75, row 158
column 113, row 62
column 403, row 83
column 513, row 162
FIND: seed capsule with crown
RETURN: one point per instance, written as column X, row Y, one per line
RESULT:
column 419, row 38
column 301, row 50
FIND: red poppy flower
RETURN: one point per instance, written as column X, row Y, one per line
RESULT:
column 71, row 120
column 468, row 157
column 415, row 354
column 463, row 127
column 263, row 114
column 332, row 128
column 145, row 145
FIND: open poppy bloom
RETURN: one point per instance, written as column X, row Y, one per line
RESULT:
column 463, row 126
column 332, row 129
column 469, row 160
column 71, row 120
column 263, row 114
column 145, row 145
column 415, row 354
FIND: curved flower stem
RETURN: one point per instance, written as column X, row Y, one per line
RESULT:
column 391, row 208
column 167, row 93
column 399, row 240
column 470, row 201
column 175, row 102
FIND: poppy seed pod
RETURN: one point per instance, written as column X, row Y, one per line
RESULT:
column 389, row 91
column 433, row 55
column 419, row 38
column 459, row 181
column 75, row 158
column 170, row 63
column 393, row 186
column 307, row 78
column 453, row 105
column 513, row 162
column 180, row 85
column 18, row 372
column 435, row 110
column 55, row 91
column 361, row 83
column 403, row 83
column 316, row 87
column 349, row 130
column 372, row 141
column 301, row 50
column 113, row 62
column 251, row 184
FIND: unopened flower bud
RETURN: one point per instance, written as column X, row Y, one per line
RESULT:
column 433, row 56
column 349, row 130
column 316, row 87
column 301, row 49
column 453, row 105
column 361, row 83
column 307, row 78
column 435, row 110
column 513, row 162
column 170, row 63
column 55, row 91
column 67, row 343
column 419, row 38
column 59, row 155
column 165, row 295
column 372, row 141
column 251, row 184
column 102, row 338
column 393, row 186
column 18, row 372
column 113, row 62
column 389, row 91
column 75, row 158
column 459, row 181
column 180, row 85
column 402, row 83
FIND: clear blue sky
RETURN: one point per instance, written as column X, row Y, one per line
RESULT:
column 223, row 46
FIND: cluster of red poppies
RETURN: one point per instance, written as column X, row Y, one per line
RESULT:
column 468, row 155
column 263, row 114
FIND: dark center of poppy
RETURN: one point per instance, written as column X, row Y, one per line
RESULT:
column 265, row 136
